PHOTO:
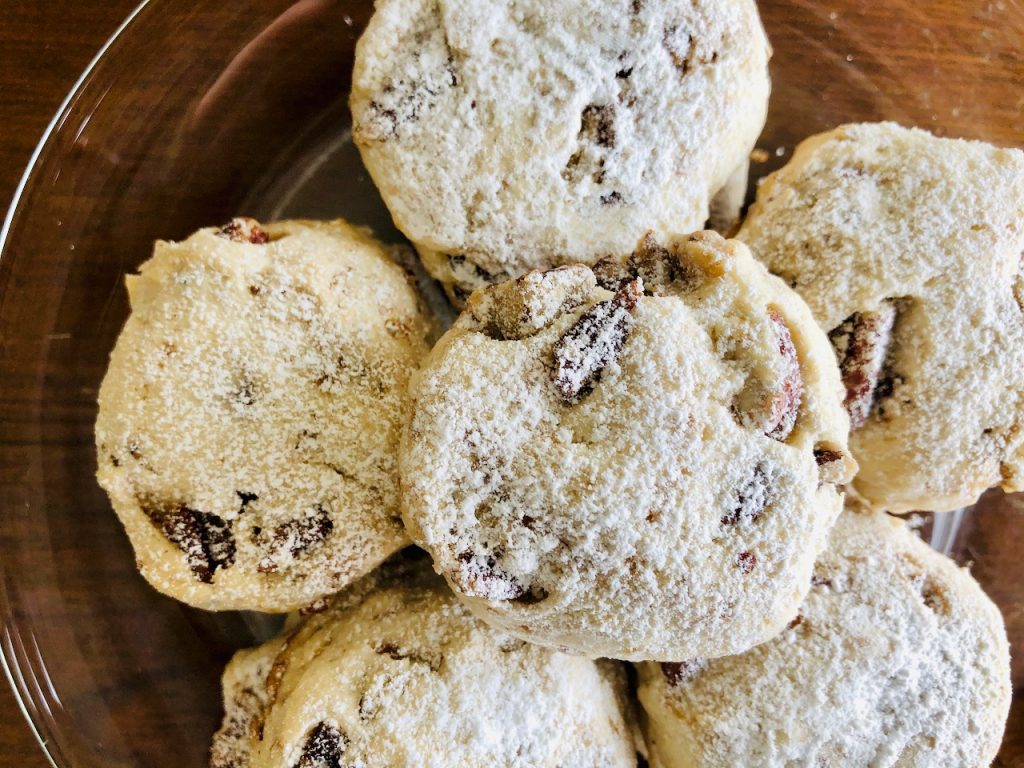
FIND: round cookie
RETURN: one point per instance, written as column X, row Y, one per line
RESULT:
column 896, row 659
column 641, row 469
column 397, row 674
column 249, row 420
column 909, row 249
column 509, row 137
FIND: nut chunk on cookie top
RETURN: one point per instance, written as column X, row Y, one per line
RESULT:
column 909, row 249
column 636, row 460
column 249, row 420
column 897, row 658
column 394, row 668
column 506, row 137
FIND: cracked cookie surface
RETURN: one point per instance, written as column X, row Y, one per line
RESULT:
column 249, row 419
column 897, row 658
column 511, row 137
column 397, row 674
column 635, row 461
column 909, row 249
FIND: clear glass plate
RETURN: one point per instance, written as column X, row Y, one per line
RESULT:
column 198, row 111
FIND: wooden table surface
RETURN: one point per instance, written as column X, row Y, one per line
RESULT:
column 44, row 46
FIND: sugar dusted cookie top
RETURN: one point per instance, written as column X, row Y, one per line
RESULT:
column 909, row 249
column 397, row 674
column 896, row 659
column 506, row 137
column 635, row 461
column 249, row 419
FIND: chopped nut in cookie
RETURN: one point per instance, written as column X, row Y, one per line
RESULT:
column 772, row 406
column 746, row 561
column 205, row 538
column 295, row 537
column 594, row 341
column 750, row 500
column 681, row 46
column 323, row 748
column 406, row 98
column 862, row 344
column 519, row 308
column 243, row 229
column 596, row 146
column 785, row 400
column 598, row 124
column 655, row 264
column 833, row 464
column 480, row 576
column 467, row 275
column 678, row 672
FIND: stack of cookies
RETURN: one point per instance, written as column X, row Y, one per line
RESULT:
column 639, row 441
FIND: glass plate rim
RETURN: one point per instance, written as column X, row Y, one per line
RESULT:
column 8, row 660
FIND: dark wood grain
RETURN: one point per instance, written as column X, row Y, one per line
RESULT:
column 911, row 58
column 43, row 49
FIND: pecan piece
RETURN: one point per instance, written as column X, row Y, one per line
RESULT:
column 678, row 672
column 682, row 54
column 785, row 401
column 751, row 499
column 205, row 538
column 301, row 534
column 831, row 464
column 595, row 340
column 933, row 594
column 481, row 576
column 319, row 605
column 686, row 50
column 243, row 229
column 772, row 407
column 746, row 562
column 652, row 262
column 520, row 308
column 392, row 650
column 324, row 747
column 861, row 343
column 467, row 275
column 935, row 597
column 295, row 537
column 820, row 580
column 597, row 124
column 397, row 652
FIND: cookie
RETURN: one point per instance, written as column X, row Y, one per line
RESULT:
column 897, row 658
column 244, row 684
column 909, row 249
column 635, row 461
column 249, row 420
column 397, row 674
column 510, row 137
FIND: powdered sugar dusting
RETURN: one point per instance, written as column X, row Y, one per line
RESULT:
column 896, row 658
column 908, row 248
column 249, row 419
column 576, row 484
column 397, row 661
column 553, row 153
